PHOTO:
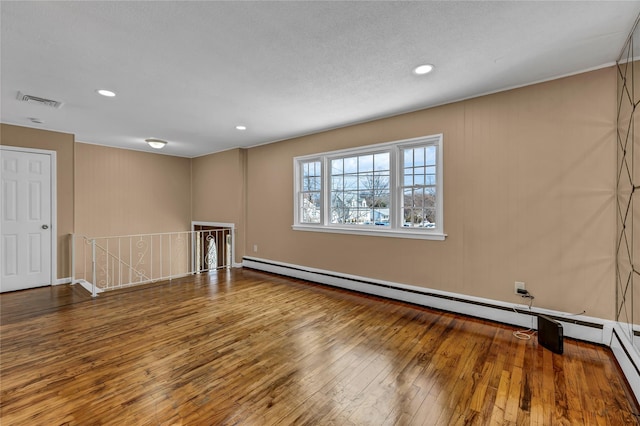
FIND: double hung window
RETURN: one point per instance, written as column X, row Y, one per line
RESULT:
column 391, row 189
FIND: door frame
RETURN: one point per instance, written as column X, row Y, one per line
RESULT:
column 54, row 203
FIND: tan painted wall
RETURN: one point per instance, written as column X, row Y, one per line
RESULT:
column 63, row 144
column 218, row 185
column 529, row 184
column 121, row 192
column 529, row 195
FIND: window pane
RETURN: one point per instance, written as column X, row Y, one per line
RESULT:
column 408, row 158
column 418, row 157
column 418, row 197
column 337, row 183
column 419, row 193
column 381, row 200
column 310, row 207
column 381, row 161
column 351, row 198
column 413, row 217
column 431, row 156
column 360, row 193
column 311, row 178
column 381, row 183
column 365, row 163
column 339, row 208
column 337, row 166
column 431, row 175
column 346, row 208
column 407, row 197
column 430, row 218
column 365, row 180
column 311, row 184
column 351, row 165
column 406, row 215
column 430, row 197
column 380, row 217
column 311, row 168
column 351, row 182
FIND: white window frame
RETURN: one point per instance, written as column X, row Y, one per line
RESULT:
column 396, row 228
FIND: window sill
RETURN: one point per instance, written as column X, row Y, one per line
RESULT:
column 376, row 232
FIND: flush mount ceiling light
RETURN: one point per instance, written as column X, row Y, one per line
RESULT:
column 423, row 69
column 105, row 92
column 241, row 127
column 156, row 143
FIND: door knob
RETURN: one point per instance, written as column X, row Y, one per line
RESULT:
column 45, row 226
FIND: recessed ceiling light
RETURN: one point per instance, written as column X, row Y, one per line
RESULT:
column 423, row 69
column 105, row 92
column 241, row 127
column 156, row 143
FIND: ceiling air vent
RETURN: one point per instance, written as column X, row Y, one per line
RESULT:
column 39, row 101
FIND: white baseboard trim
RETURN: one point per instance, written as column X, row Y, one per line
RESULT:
column 627, row 356
column 581, row 327
column 61, row 281
column 88, row 286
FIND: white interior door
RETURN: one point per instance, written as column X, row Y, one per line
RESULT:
column 26, row 219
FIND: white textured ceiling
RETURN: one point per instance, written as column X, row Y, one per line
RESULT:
column 189, row 72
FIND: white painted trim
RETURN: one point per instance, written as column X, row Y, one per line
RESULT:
column 54, row 202
column 493, row 310
column 61, row 281
column 221, row 224
column 374, row 232
column 54, row 217
column 88, row 286
column 627, row 356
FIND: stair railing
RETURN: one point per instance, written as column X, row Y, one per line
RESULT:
column 107, row 263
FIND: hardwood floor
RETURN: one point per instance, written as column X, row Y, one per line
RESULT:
column 245, row 347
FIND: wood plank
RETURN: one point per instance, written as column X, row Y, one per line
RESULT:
column 246, row 347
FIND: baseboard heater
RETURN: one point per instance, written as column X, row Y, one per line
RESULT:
column 550, row 334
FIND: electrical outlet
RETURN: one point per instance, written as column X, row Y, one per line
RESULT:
column 519, row 286
column 255, row 248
